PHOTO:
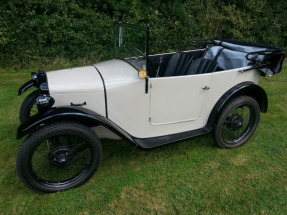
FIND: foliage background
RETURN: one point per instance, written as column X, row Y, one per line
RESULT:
column 43, row 30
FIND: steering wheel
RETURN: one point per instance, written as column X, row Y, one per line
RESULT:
column 134, row 51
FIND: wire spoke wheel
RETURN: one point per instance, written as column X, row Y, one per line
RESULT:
column 58, row 157
column 61, row 163
column 237, row 122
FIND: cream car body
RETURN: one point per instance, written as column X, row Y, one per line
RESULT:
column 172, row 104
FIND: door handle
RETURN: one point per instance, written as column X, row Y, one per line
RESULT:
column 206, row 88
column 78, row 105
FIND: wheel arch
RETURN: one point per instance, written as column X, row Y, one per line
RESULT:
column 247, row 89
column 69, row 114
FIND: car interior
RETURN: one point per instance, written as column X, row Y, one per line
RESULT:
column 220, row 57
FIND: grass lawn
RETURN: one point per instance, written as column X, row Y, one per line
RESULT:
column 189, row 177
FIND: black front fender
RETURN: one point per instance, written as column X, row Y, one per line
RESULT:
column 69, row 114
column 28, row 85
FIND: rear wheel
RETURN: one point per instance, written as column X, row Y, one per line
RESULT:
column 237, row 122
column 59, row 157
column 28, row 107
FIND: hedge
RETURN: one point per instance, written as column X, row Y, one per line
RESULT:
column 39, row 30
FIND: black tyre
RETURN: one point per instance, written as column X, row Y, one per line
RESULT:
column 28, row 107
column 58, row 157
column 237, row 122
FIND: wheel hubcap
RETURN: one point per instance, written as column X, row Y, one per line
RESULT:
column 60, row 156
column 234, row 122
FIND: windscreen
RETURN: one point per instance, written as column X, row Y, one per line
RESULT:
column 130, row 44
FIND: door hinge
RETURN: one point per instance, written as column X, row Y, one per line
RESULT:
column 206, row 88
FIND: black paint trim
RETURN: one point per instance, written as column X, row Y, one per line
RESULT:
column 90, row 118
column 105, row 92
column 146, row 85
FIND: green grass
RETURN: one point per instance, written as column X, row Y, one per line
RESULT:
column 189, row 177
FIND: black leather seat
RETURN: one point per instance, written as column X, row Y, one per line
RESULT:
column 178, row 64
column 182, row 63
column 201, row 66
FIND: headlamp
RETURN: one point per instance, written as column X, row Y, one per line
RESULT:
column 44, row 102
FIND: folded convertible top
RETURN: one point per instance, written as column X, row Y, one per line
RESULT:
column 268, row 59
column 231, row 54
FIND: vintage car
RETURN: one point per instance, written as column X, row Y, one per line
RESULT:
column 147, row 100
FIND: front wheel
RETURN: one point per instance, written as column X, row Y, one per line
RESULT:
column 58, row 157
column 28, row 107
column 237, row 122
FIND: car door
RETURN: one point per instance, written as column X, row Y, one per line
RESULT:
column 178, row 99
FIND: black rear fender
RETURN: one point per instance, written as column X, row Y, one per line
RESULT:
column 247, row 89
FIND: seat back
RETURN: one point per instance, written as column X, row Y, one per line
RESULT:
column 177, row 64
column 201, row 66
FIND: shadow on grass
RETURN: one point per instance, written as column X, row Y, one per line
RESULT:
column 120, row 152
